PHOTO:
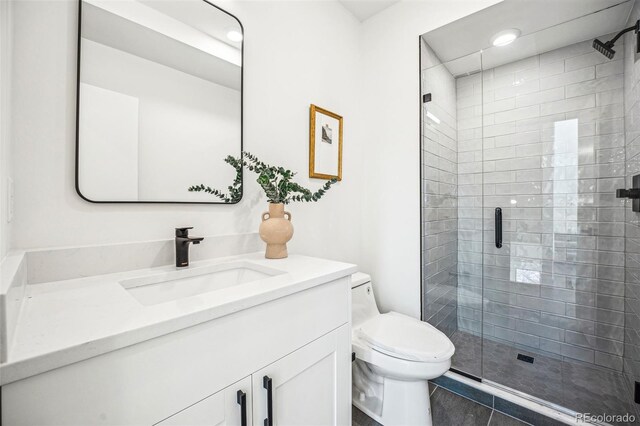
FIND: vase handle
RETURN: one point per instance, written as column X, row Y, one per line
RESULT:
column 267, row 216
column 288, row 214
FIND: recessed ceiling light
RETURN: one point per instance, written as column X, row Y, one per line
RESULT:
column 505, row 37
column 234, row 35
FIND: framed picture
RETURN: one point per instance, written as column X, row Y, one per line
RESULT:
column 325, row 144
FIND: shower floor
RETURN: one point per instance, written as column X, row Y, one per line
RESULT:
column 578, row 387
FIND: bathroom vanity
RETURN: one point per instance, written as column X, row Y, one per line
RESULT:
column 235, row 341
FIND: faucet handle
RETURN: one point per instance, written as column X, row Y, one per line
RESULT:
column 183, row 232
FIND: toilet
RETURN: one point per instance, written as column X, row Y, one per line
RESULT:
column 395, row 356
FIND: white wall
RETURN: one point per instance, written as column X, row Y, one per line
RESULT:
column 296, row 53
column 6, row 51
column 391, row 129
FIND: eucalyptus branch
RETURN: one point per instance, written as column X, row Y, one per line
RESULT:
column 274, row 181
column 234, row 193
column 307, row 196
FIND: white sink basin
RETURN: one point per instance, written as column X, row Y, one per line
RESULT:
column 168, row 286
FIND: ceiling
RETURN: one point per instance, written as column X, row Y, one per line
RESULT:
column 365, row 9
column 459, row 43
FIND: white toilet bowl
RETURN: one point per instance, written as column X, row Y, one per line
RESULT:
column 396, row 355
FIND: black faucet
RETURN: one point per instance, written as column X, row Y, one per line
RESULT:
column 182, row 246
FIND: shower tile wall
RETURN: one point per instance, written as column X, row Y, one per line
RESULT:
column 548, row 133
column 439, row 199
column 632, row 129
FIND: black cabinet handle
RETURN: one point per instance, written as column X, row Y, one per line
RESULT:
column 267, row 383
column 242, row 400
column 498, row 219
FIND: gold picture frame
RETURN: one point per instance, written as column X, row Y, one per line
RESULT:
column 324, row 146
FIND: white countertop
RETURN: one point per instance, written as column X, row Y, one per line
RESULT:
column 68, row 321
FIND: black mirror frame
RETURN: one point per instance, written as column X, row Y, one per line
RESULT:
column 77, row 153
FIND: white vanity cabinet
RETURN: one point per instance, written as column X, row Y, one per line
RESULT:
column 300, row 341
column 307, row 386
column 303, row 388
column 228, row 407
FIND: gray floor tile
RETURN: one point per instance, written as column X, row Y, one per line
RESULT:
column 499, row 419
column 465, row 390
column 500, row 364
column 358, row 418
column 578, row 387
column 468, row 355
column 432, row 387
column 450, row 409
column 584, row 385
column 542, row 379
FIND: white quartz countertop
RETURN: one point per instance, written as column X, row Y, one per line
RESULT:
column 63, row 322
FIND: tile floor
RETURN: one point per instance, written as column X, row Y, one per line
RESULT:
column 578, row 387
column 450, row 409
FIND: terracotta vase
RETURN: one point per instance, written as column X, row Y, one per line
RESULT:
column 276, row 230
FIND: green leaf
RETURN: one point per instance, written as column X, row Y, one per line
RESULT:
column 275, row 181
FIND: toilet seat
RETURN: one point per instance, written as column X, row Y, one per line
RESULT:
column 406, row 338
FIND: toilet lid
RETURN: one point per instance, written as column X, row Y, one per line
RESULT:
column 405, row 337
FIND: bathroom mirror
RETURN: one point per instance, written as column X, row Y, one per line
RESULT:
column 159, row 103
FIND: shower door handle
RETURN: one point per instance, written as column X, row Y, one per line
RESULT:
column 633, row 193
column 498, row 219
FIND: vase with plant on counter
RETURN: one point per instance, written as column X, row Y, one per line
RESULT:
column 276, row 229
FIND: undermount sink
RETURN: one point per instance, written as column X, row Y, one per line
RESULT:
column 168, row 286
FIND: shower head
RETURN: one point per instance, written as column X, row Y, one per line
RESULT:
column 606, row 48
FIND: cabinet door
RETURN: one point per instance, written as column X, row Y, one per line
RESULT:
column 311, row 386
column 223, row 408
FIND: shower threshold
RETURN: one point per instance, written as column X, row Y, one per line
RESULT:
column 520, row 405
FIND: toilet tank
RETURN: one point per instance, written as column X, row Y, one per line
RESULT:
column 363, row 302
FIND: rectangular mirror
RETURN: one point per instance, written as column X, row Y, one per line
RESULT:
column 159, row 100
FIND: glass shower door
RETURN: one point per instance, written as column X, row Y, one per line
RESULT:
column 553, row 154
column 451, row 198
column 468, row 338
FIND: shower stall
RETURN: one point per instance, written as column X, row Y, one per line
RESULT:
column 530, row 256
